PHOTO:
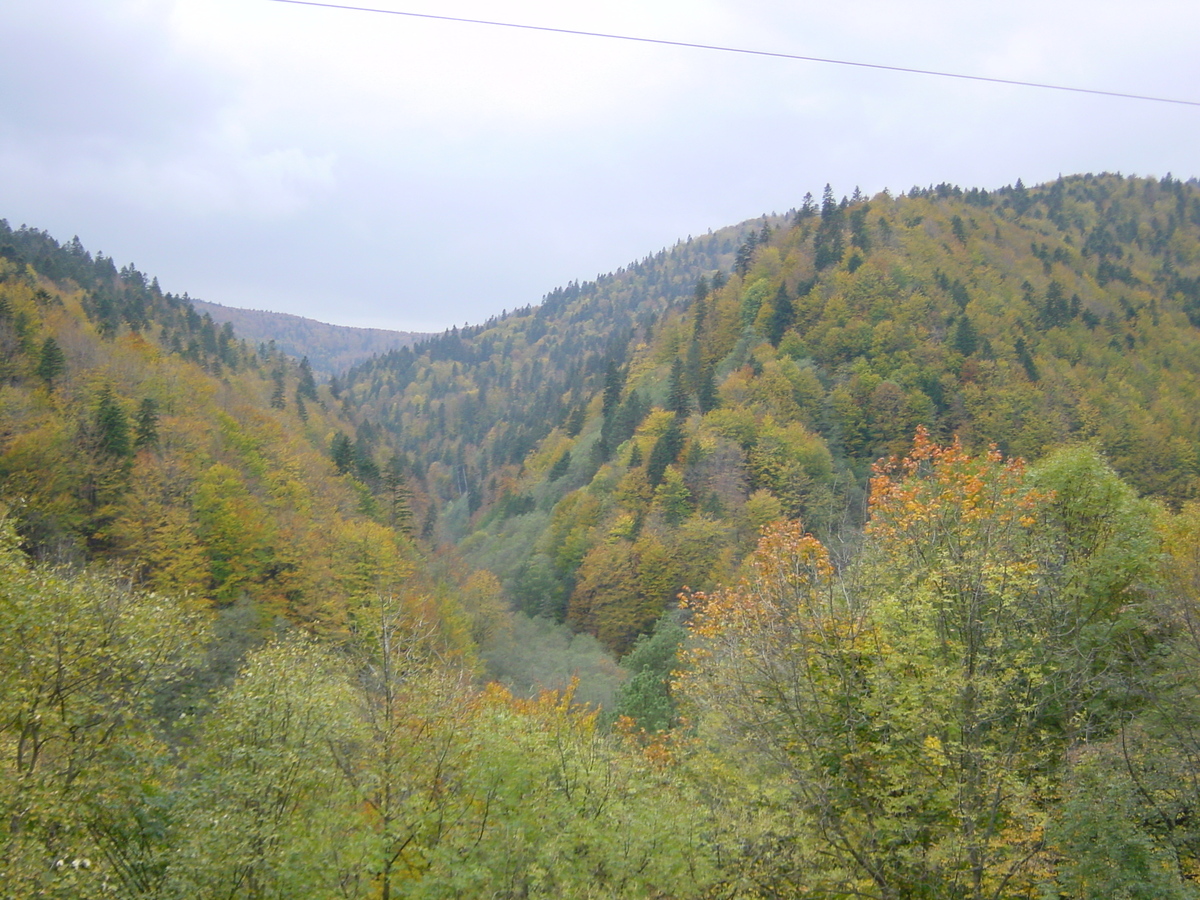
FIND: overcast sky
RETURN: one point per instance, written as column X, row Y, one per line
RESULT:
column 380, row 170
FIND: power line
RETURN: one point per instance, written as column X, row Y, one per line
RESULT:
column 743, row 50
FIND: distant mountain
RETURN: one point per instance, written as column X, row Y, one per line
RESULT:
column 330, row 348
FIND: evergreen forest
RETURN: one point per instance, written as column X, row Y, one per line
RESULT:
column 850, row 552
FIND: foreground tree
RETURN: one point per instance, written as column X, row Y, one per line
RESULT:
column 85, row 664
column 266, row 812
column 922, row 706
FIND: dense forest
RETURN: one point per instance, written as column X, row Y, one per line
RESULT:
column 636, row 432
column 887, row 508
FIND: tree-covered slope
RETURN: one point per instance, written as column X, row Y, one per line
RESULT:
column 467, row 407
column 136, row 433
column 630, row 435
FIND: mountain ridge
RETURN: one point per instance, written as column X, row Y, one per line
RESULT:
column 330, row 348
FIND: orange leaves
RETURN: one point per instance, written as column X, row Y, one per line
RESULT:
column 787, row 614
column 942, row 487
column 787, row 554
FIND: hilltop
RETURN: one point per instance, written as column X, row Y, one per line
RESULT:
column 330, row 349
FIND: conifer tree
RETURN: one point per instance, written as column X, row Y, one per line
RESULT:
column 664, row 452
column 677, row 395
column 341, row 451
column 614, row 382
column 560, row 467
column 308, row 385
column 966, row 338
column 781, row 316
column 278, row 397
column 51, row 363
column 146, row 424
column 707, row 394
column 112, row 427
column 399, row 496
column 829, row 245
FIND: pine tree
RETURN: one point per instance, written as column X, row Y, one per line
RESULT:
column 146, row 424
column 665, row 450
column 859, row 236
column 279, row 396
column 112, row 428
column 966, row 338
column 560, row 467
column 614, row 382
column 829, row 244
column 807, row 209
column 707, row 393
column 308, row 385
column 678, row 401
column 399, row 496
column 1026, row 359
column 51, row 363
column 341, row 451
column 781, row 316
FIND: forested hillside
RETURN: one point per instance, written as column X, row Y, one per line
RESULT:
column 136, row 433
column 631, row 435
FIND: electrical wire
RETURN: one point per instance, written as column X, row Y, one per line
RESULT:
column 694, row 46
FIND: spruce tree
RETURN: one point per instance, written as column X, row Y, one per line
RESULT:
column 112, row 428
column 146, row 425
column 308, row 385
column 52, row 362
column 665, row 450
column 708, row 390
column 341, row 451
column 678, row 401
column 781, row 317
column 278, row 396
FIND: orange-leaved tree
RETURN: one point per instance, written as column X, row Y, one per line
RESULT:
column 912, row 702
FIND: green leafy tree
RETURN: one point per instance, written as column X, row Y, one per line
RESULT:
column 646, row 696
column 85, row 667
column 268, row 766
column 417, row 723
column 924, row 708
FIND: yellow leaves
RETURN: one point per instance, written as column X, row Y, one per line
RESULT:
column 934, row 751
column 784, row 598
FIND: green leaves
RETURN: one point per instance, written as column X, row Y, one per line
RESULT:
column 84, row 662
column 268, row 811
